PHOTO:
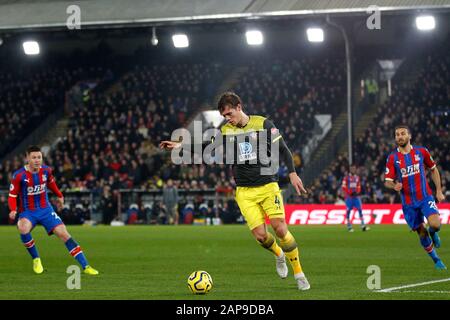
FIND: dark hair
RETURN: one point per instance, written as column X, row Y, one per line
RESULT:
column 230, row 99
column 31, row 149
column 402, row 126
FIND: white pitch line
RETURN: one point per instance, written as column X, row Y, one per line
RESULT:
column 432, row 291
column 412, row 285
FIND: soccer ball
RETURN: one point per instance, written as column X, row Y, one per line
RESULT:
column 200, row 282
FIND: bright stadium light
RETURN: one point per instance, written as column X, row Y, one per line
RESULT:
column 31, row 47
column 180, row 40
column 254, row 37
column 425, row 23
column 315, row 34
column 154, row 39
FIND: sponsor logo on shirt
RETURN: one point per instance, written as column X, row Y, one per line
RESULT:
column 410, row 170
column 38, row 189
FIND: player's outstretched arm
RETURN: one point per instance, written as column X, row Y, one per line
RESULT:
column 436, row 177
column 169, row 145
column 293, row 177
column 51, row 184
column 12, row 197
column 297, row 183
column 286, row 154
column 389, row 175
column 60, row 203
column 12, row 204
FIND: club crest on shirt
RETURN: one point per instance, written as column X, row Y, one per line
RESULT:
column 246, row 152
column 416, row 157
column 44, row 178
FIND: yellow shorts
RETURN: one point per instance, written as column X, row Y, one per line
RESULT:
column 257, row 202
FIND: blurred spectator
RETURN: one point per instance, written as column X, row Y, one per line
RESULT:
column 170, row 200
column 160, row 214
column 228, row 212
column 107, row 206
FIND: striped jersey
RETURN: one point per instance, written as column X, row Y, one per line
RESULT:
column 409, row 169
column 351, row 184
column 31, row 188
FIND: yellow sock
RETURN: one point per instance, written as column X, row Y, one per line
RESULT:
column 290, row 249
column 271, row 245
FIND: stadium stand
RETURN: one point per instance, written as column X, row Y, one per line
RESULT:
column 424, row 107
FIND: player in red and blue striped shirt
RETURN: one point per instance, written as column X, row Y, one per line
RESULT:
column 405, row 173
column 29, row 187
column 351, row 185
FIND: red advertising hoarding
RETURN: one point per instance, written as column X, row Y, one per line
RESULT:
column 335, row 214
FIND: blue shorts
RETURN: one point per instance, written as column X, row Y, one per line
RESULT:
column 415, row 213
column 353, row 202
column 46, row 217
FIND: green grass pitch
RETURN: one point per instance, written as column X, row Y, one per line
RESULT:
column 153, row 262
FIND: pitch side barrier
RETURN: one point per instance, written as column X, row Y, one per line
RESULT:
column 322, row 214
column 296, row 214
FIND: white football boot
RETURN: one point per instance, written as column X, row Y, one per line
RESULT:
column 282, row 268
column 302, row 282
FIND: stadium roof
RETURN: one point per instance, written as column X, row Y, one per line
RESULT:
column 27, row 14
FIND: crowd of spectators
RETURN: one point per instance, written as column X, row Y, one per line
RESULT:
column 113, row 135
column 425, row 108
column 287, row 91
column 28, row 95
column 112, row 138
column 197, row 211
column 292, row 92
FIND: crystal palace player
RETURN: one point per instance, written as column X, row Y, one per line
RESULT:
column 258, row 195
column 351, row 184
column 29, row 186
column 406, row 165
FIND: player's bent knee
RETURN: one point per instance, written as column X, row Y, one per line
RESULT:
column 24, row 229
column 434, row 221
column 279, row 226
column 436, row 226
column 24, row 226
column 260, row 235
column 281, row 231
column 62, row 233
